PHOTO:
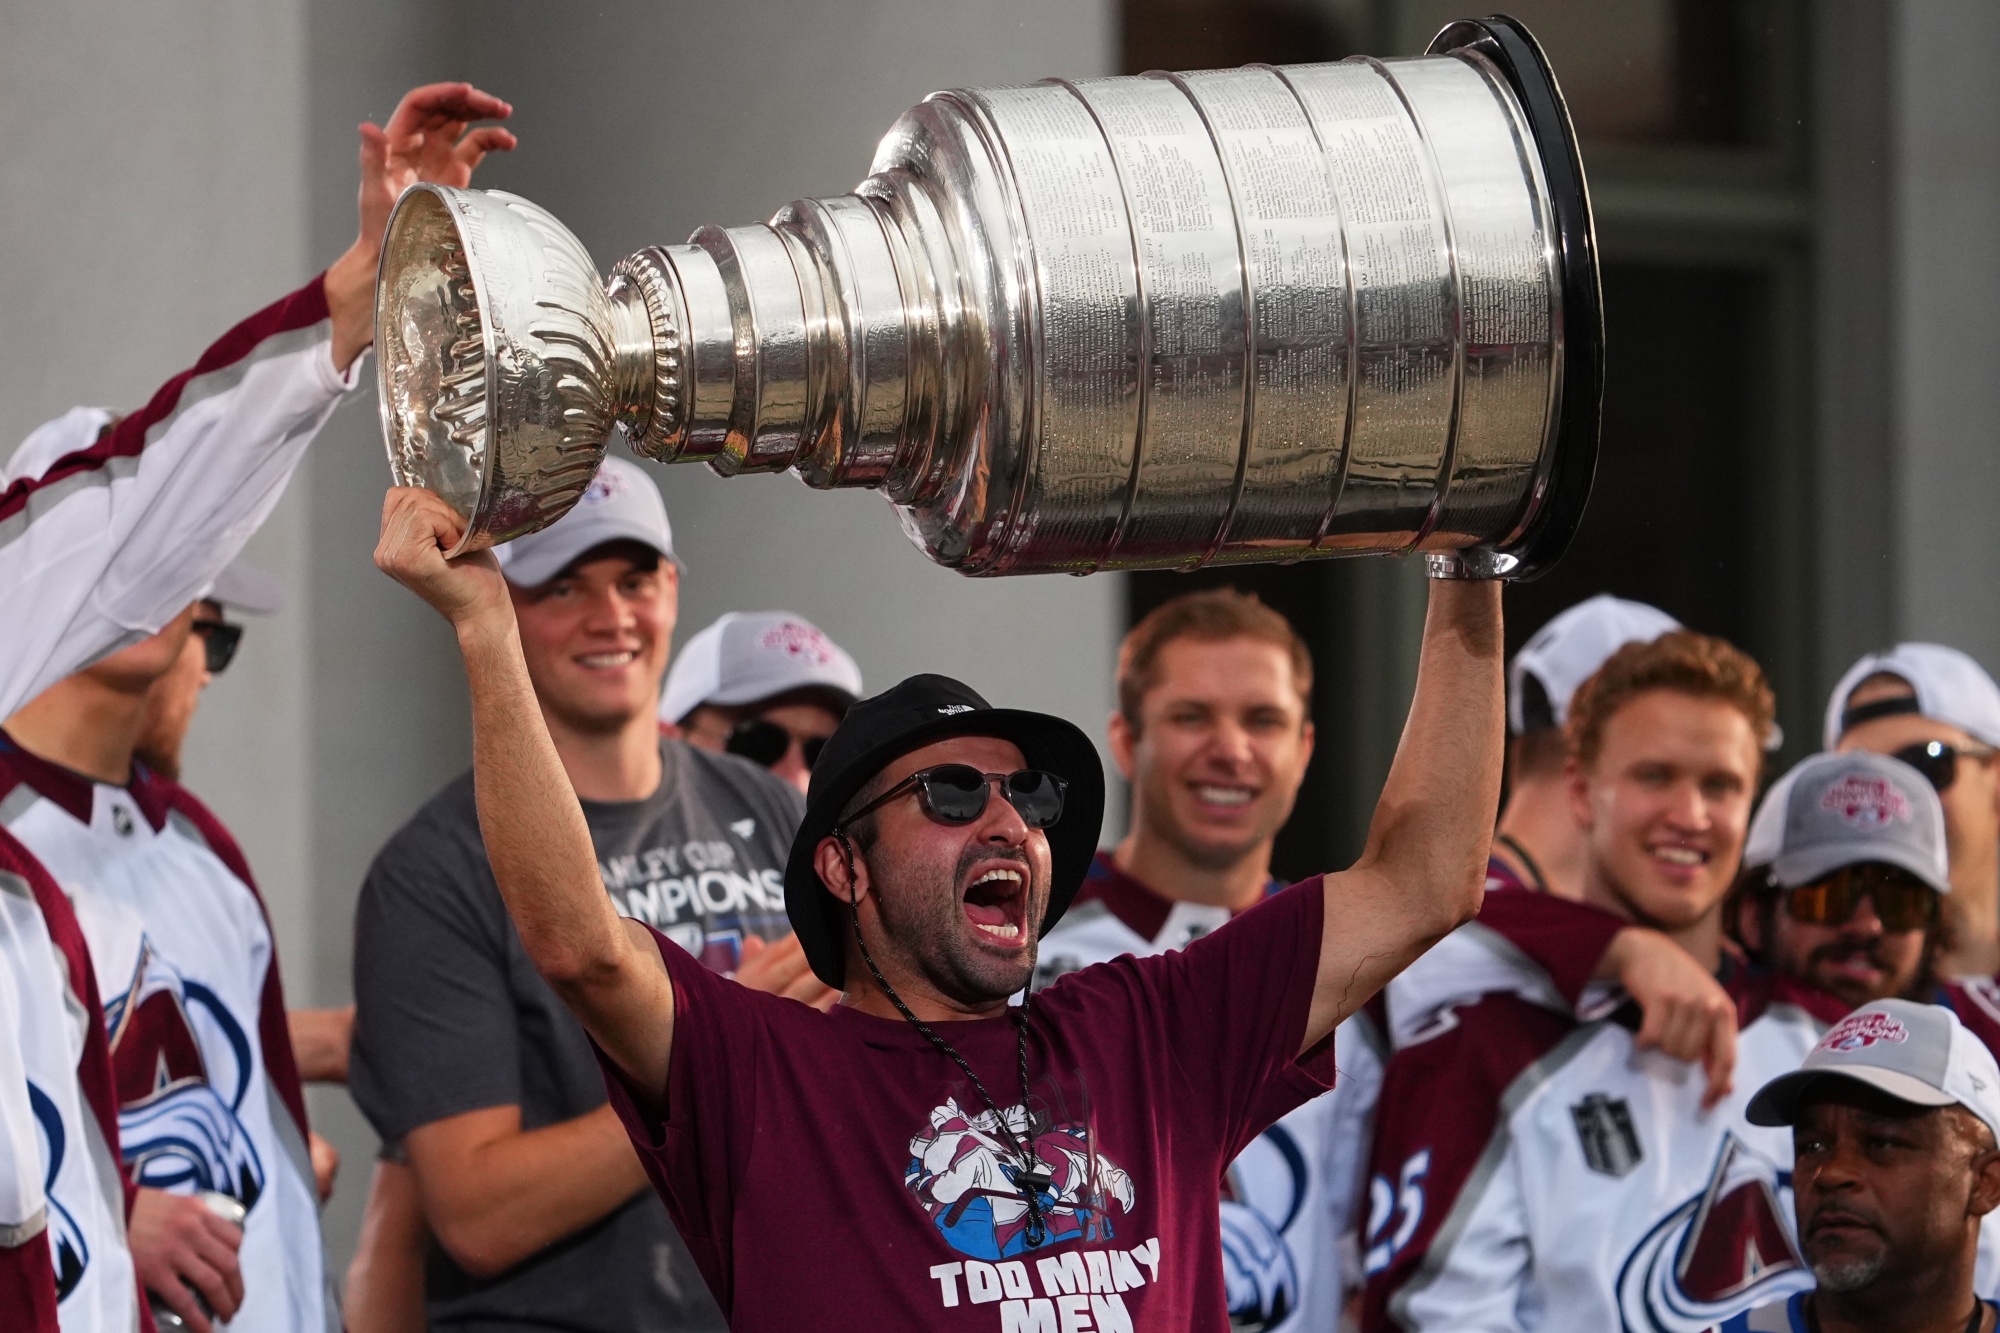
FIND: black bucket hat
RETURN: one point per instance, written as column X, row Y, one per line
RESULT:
column 878, row 731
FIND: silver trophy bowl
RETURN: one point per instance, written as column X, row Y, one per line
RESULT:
column 1165, row 321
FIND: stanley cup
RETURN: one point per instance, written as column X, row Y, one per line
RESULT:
column 1166, row 321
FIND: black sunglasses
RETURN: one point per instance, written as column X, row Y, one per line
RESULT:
column 958, row 793
column 219, row 640
column 764, row 743
column 1938, row 760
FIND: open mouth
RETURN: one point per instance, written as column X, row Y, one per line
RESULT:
column 1228, row 796
column 610, row 661
column 996, row 904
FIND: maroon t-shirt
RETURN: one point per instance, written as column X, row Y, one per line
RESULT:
column 835, row 1171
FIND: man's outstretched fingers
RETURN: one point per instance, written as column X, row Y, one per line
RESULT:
column 479, row 141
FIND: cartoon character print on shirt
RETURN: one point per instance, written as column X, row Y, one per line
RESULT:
column 962, row 1172
column 177, row 1118
column 1726, row 1249
column 68, row 1251
column 1262, row 1194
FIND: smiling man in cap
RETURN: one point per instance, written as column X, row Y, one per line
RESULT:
column 767, row 685
column 462, row 1054
column 1893, row 1119
column 1936, row 709
column 926, row 1156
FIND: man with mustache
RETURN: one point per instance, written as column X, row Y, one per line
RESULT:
column 1936, row 709
column 1845, row 866
column 927, row 1155
column 1893, row 1117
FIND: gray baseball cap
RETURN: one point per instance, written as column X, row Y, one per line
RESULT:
column 1917, row 1053
column 620, row 504
column 1834, row 810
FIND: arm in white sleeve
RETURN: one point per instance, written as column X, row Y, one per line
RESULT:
column 107, row 534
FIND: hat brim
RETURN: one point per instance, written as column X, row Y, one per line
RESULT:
column 1812, row 863
column 554, row 554
column 1046, row 742
column 1777, row 1102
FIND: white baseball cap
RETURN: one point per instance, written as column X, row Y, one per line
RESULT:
column 246, row 588
column 1917, row 1053
column 751, row 655
column 1950, row 688
column 1834, row 810
column 620, row 504
column 1568, row 651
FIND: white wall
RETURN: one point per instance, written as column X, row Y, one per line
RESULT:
column 168, row 169
column 1946, row 344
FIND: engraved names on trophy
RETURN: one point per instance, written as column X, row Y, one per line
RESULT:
column 1075, row 216
column 1191, row 281
column 1289, row 223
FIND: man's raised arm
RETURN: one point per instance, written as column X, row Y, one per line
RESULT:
column 1424, row 868
column 606, row 969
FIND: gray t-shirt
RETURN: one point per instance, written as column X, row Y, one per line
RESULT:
column 453, row 1017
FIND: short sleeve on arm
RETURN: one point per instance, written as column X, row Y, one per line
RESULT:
column 435, row 1031
column 695, row 1141
column 1235, row 1004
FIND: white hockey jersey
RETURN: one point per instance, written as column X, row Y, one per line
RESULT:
column 1288, row 1199
column 1532, row 1172
column 208, row 1093
column 109, row 527
column 62, row 1197
column 1291, row 1202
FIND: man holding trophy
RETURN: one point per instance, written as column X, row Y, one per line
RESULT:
column 1044, row 369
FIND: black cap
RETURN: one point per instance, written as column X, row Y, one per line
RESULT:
column 878, row 731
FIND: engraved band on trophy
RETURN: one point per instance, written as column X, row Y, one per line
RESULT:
column 1161, row 321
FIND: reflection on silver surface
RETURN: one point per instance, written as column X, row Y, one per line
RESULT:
column 1147, row 322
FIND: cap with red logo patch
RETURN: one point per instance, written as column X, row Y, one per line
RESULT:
column 1916, row 1053
column 1834, row 810
column 748, row 656
column 620, row 504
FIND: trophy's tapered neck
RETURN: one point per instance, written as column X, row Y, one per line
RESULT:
column 646, row 336
column 787, row 344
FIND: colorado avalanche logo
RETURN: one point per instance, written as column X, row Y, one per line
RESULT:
column 1726, row 1249
column 1866, row 802
column 795, row 640
column 67, row 1248
column 1860, row 1031
column 1263, row 1193
column 963, row 1176
column 178, row 1124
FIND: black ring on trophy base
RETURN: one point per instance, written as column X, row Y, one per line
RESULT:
column 1512, row 49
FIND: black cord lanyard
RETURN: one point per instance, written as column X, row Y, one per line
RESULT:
column 1512, row 844
column 1031, row 1175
